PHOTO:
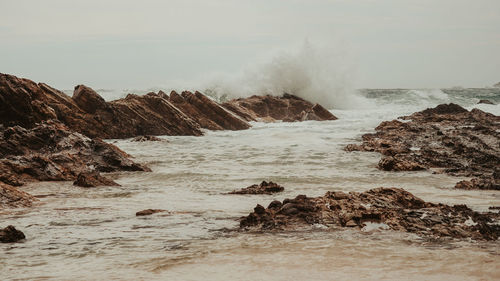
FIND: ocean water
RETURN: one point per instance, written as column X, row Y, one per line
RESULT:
column 93, row 234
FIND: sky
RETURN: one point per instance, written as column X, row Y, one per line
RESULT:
column 142, row 44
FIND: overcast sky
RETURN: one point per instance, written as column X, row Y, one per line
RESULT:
column 141, row 44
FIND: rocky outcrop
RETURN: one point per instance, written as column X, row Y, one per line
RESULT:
column 12, row 197
column 93, row 179
column 10, row 235
column 26, row 103
column 206, row 112
column 262, row 188
column 50, row 151
column 149, row 212
column 288, row 108
column 446, row 138
column 392, row 208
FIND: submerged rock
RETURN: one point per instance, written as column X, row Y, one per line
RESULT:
column 288, row 108
column 10, row 235
column 394, row 207
column 12, row 197
column 146, row 138
column 262, row 188
column 447, row 137
column 93, row 179
column 485, row 102
column 148, row 212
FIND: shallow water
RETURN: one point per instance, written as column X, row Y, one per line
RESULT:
column 93, row 234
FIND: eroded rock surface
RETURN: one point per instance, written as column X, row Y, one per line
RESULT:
column 206, row 112
column 49, row 151
column 10, row 235
column 146, row 138
column 93, row 179
column 447, row 137
column 12, row 197
column 394, row 207
column 288, row 108
column 262, row 188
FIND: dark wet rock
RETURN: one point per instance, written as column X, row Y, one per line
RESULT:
column 148, row 212
column 262, row 188
column 288, row 108
column 394, row 207
column 494, row 207
column 93, row 179
column 146, row 138
column 485, row 102
column 12, row 197
column 10, row 235
column 486, row 183
column 447, row 138
column 49, row 151
column 206, row 112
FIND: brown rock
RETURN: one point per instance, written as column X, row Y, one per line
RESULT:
column 485, row 102
column 206, row 112
column 446, row 137
column 49, row 151
column 263, row 188
column 288, row 108
column 93, row 179
column 148, row 212
column 396, row 208
column 11, row 197
column 10, row 235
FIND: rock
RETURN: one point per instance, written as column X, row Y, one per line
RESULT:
column 148, row 212
column 485, row 102
column 10, row 235
column 497, row 85
column 50, row 151
column 288, row 108
column 11, row 197
column 394, row 207
column 485, row 183
column 146, row 138
column 263, row 188
column 206, row 112
column 93, row 179
column 447, row 137
column 25, row 103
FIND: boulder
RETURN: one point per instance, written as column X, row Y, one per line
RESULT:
column 10, row 235
column 485, row 102
column 148, row 212
column 12, row 197
column 146, row 138
column 93, row 179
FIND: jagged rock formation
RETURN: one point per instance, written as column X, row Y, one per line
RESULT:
column 288, row 108
column 49, row 151
column 394, row 208
column 206, row 112
column 447, row 137
column 262, row 188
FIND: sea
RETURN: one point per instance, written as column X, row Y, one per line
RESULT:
column 76, row 233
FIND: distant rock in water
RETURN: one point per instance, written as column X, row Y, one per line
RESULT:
column 288, row 108
column 393, row 208
column 262, row 188
column 497, row 85
column 447, row 137
column 149, row 212
column 146, row 138
column 12, row 197
column 93, row 179
column 50, row 152
column 485, row 102
column 10, row 235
